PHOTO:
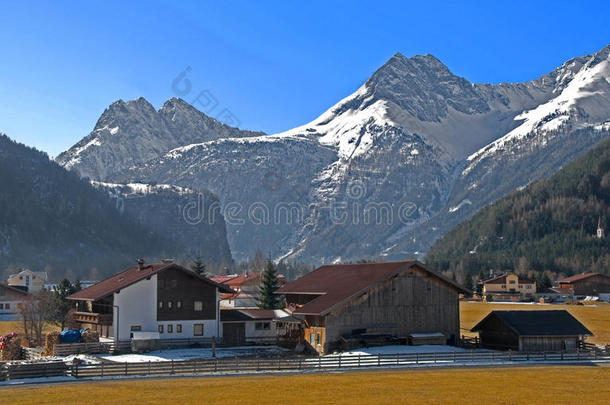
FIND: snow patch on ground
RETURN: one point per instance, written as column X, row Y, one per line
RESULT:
column 400, row 349
column 195, row 353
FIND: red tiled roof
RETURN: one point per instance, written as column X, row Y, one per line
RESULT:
column 131, row 276
column 579, row 277
column 336, row 284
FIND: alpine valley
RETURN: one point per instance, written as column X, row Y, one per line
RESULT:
column 382, row 174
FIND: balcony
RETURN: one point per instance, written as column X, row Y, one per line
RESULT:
column 93, row 318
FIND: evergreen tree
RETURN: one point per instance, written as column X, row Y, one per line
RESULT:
column 269, row 284
column 468, row 281
column 545, row 281
column 198, row 266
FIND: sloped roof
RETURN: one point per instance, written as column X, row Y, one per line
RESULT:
column 538, row 323
column 338, row 283
column 239, row 315
column 579, row 277
column 501, row 279
column 14, row 289
column 131, row 276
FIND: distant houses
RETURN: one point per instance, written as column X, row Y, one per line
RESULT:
column 508, row 287
column 586, row 284
column 28, row 280
column 165, row 298
column 245, row 289
column 11, row 299
column 531, row 331
column 370, row 301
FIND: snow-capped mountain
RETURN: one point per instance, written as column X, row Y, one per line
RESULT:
column 393, row 166
column 133, row 132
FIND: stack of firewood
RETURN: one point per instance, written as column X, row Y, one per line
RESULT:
column 89, row 336
column 51, row 340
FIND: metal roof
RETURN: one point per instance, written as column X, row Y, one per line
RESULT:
column 537, row 323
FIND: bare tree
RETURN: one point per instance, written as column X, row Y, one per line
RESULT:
column 35, row 310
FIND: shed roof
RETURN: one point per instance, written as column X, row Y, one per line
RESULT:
column 131, row 276
column 579, row 277
column 338, row 283
column 251, row 314
column 538, row 323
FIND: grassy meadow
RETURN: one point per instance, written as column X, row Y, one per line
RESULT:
column 544, row 385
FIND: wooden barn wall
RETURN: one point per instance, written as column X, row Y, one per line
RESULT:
column 592, row 286
column 412, row 302
column 495, row 334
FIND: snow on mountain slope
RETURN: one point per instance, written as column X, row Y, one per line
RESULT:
column 385, row 171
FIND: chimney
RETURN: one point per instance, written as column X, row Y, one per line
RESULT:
column 140, row 264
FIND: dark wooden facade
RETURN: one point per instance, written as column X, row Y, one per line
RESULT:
column 177, row 292
column 592, row 286
column 412, row 301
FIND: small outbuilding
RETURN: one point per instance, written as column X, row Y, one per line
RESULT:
column 531, row 331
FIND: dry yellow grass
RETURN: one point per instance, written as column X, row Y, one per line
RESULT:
column 595, row 317
column 7, row 327
column 499, row 386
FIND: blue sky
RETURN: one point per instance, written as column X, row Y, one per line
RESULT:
column 274, row 65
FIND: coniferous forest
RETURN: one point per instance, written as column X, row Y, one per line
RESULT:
column 550, row 225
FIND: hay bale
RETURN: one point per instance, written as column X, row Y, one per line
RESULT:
column 90, row 336
column 51, row 340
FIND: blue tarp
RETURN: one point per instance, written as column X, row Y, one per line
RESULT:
column 70, row 335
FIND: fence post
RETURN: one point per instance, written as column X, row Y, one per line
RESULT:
column 577, row 354
column 358, row 360
column 416, row 358
column 236, row 364
column 172, row 366
column 126, row 368
column 397, row 359
column 454, row 357
column 339, row 361
column 378, row 360
column 279, row 365
column 215, row 365
column 510, row 355
column 102, row 369
column 300, row 363
column 319, row 361
column 195, row 367
column 435, row 357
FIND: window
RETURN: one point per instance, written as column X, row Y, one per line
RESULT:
column 1, row 306
column 7, row 306
column 179, row 328
column 173, row 283
column 198, row 306
column 198, row 329
column 160, row 328
column 170, row 328
column 317, row 338
column 160, row 304
column 169, row 305
column 503, row 285
column 262, row 325
column 511, row 281
column 528, row 286
column 178, row 304
column 136, row 328
column 312, row 338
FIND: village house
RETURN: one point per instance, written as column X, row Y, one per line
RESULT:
column 28, row 280
column 165, row 298
column 11, row 299
column 586, row 284
column 509, row 287
column 257, row 326
column 531, row 331
column 246, row 289
column 340, row 302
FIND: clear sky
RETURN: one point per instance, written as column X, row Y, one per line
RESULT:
column 274, row 65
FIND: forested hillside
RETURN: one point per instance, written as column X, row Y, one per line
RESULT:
column 51, row 219
column 549, row 225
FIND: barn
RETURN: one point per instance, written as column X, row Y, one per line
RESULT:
column 531, row 331
column 393, row 299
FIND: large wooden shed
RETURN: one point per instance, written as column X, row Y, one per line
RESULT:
column 531, row 331
column 392, row 299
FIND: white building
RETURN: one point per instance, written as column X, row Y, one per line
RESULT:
column 165, row 298
column 28, row 280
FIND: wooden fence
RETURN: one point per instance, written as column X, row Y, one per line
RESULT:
column 66, row 349
column 292, row 364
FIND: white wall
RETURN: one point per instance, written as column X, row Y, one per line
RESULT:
column 137, row 305
column 251, row 331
